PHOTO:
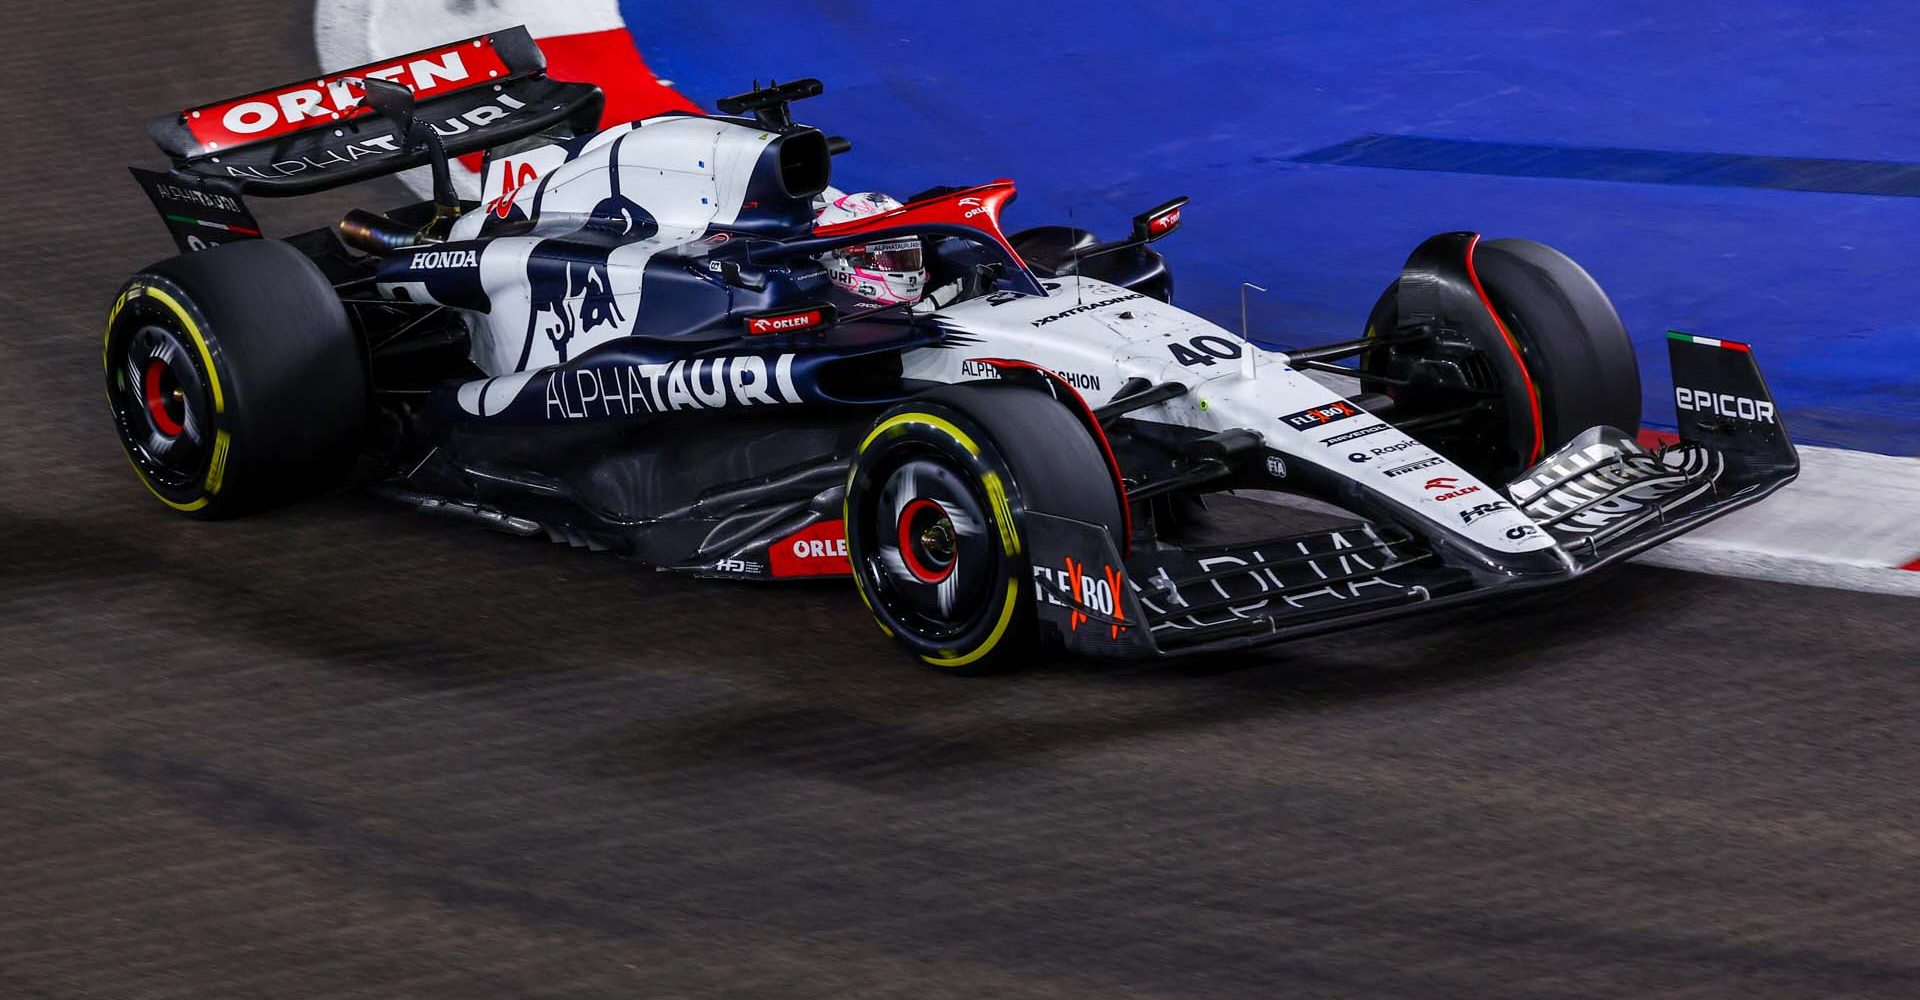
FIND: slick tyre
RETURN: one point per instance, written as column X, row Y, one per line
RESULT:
column 1571, row 339
column 234, row 379
column 1570, row 365
column 936, row 518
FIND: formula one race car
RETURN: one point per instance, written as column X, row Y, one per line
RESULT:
column 635, row 346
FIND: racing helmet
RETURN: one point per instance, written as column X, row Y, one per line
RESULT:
column 890, row 271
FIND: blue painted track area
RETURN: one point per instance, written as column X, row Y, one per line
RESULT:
column 1740, row 170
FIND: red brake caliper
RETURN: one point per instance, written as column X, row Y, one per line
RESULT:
column 156, row 402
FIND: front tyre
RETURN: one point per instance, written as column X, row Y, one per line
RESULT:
column 234, row 379
column 1529, row 354
column 935, row 518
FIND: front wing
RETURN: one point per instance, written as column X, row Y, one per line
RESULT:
column 1602, row 498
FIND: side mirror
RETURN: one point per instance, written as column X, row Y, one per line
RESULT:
column 1157, row 222
column 389, row 100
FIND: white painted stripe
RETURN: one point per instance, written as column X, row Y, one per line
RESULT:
column 1848, row 508
column 1709, row 555
column 355, row 32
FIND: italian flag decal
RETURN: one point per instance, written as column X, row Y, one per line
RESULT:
column 223, row 227
column 1688, row 338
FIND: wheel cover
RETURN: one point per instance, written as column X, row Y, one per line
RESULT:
column 937, row 557
column 160, row 403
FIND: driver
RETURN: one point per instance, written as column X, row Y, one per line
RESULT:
column 888, row 272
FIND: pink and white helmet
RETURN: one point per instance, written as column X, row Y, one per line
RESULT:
column 887, row 272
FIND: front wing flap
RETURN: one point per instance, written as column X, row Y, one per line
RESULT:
column 1601, row 498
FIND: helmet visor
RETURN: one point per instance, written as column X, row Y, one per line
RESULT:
column 897, row 255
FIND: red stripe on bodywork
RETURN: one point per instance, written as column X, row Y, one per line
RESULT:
column 1914, row 565
column 1099, row 437
column 976, row 207
column 610, row 59
column 1650, row 438
column 1533, row 394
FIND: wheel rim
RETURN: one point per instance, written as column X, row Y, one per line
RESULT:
column 926, row 540
column 936, row 559
column 160, row 404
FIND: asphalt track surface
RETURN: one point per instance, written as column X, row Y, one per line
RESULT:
column 347, row 750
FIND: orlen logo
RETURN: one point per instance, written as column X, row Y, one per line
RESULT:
column 1160, row 224
column 786, row 322
column 1449, row 488
column 818, row 550
column 973, row 207
column 289, row 109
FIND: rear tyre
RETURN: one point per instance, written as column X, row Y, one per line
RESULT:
column 234, row 379
column 1576, row 363
column 936, row 518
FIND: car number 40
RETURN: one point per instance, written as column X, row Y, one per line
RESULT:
column 1205, row 349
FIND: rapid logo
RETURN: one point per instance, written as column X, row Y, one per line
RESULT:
column 630, row 390
column 1724, row 405
column 1360, row 456
column 1320, row 416
column 817, row 550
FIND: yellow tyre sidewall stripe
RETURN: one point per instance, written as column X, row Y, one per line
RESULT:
column 944, row 426
column 1003, row 514
column 993, row 639
column 222, row 441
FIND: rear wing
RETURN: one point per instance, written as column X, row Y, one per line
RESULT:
column 312, row 135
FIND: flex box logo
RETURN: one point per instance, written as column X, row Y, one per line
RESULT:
column 284, row 110
column 1320, row 416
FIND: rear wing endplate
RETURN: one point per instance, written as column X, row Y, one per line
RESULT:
column 197, row 214
column 313, row 135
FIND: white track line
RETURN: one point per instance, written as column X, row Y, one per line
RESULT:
column 1849, row 519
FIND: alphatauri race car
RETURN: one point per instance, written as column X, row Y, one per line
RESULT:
column 633, row 345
